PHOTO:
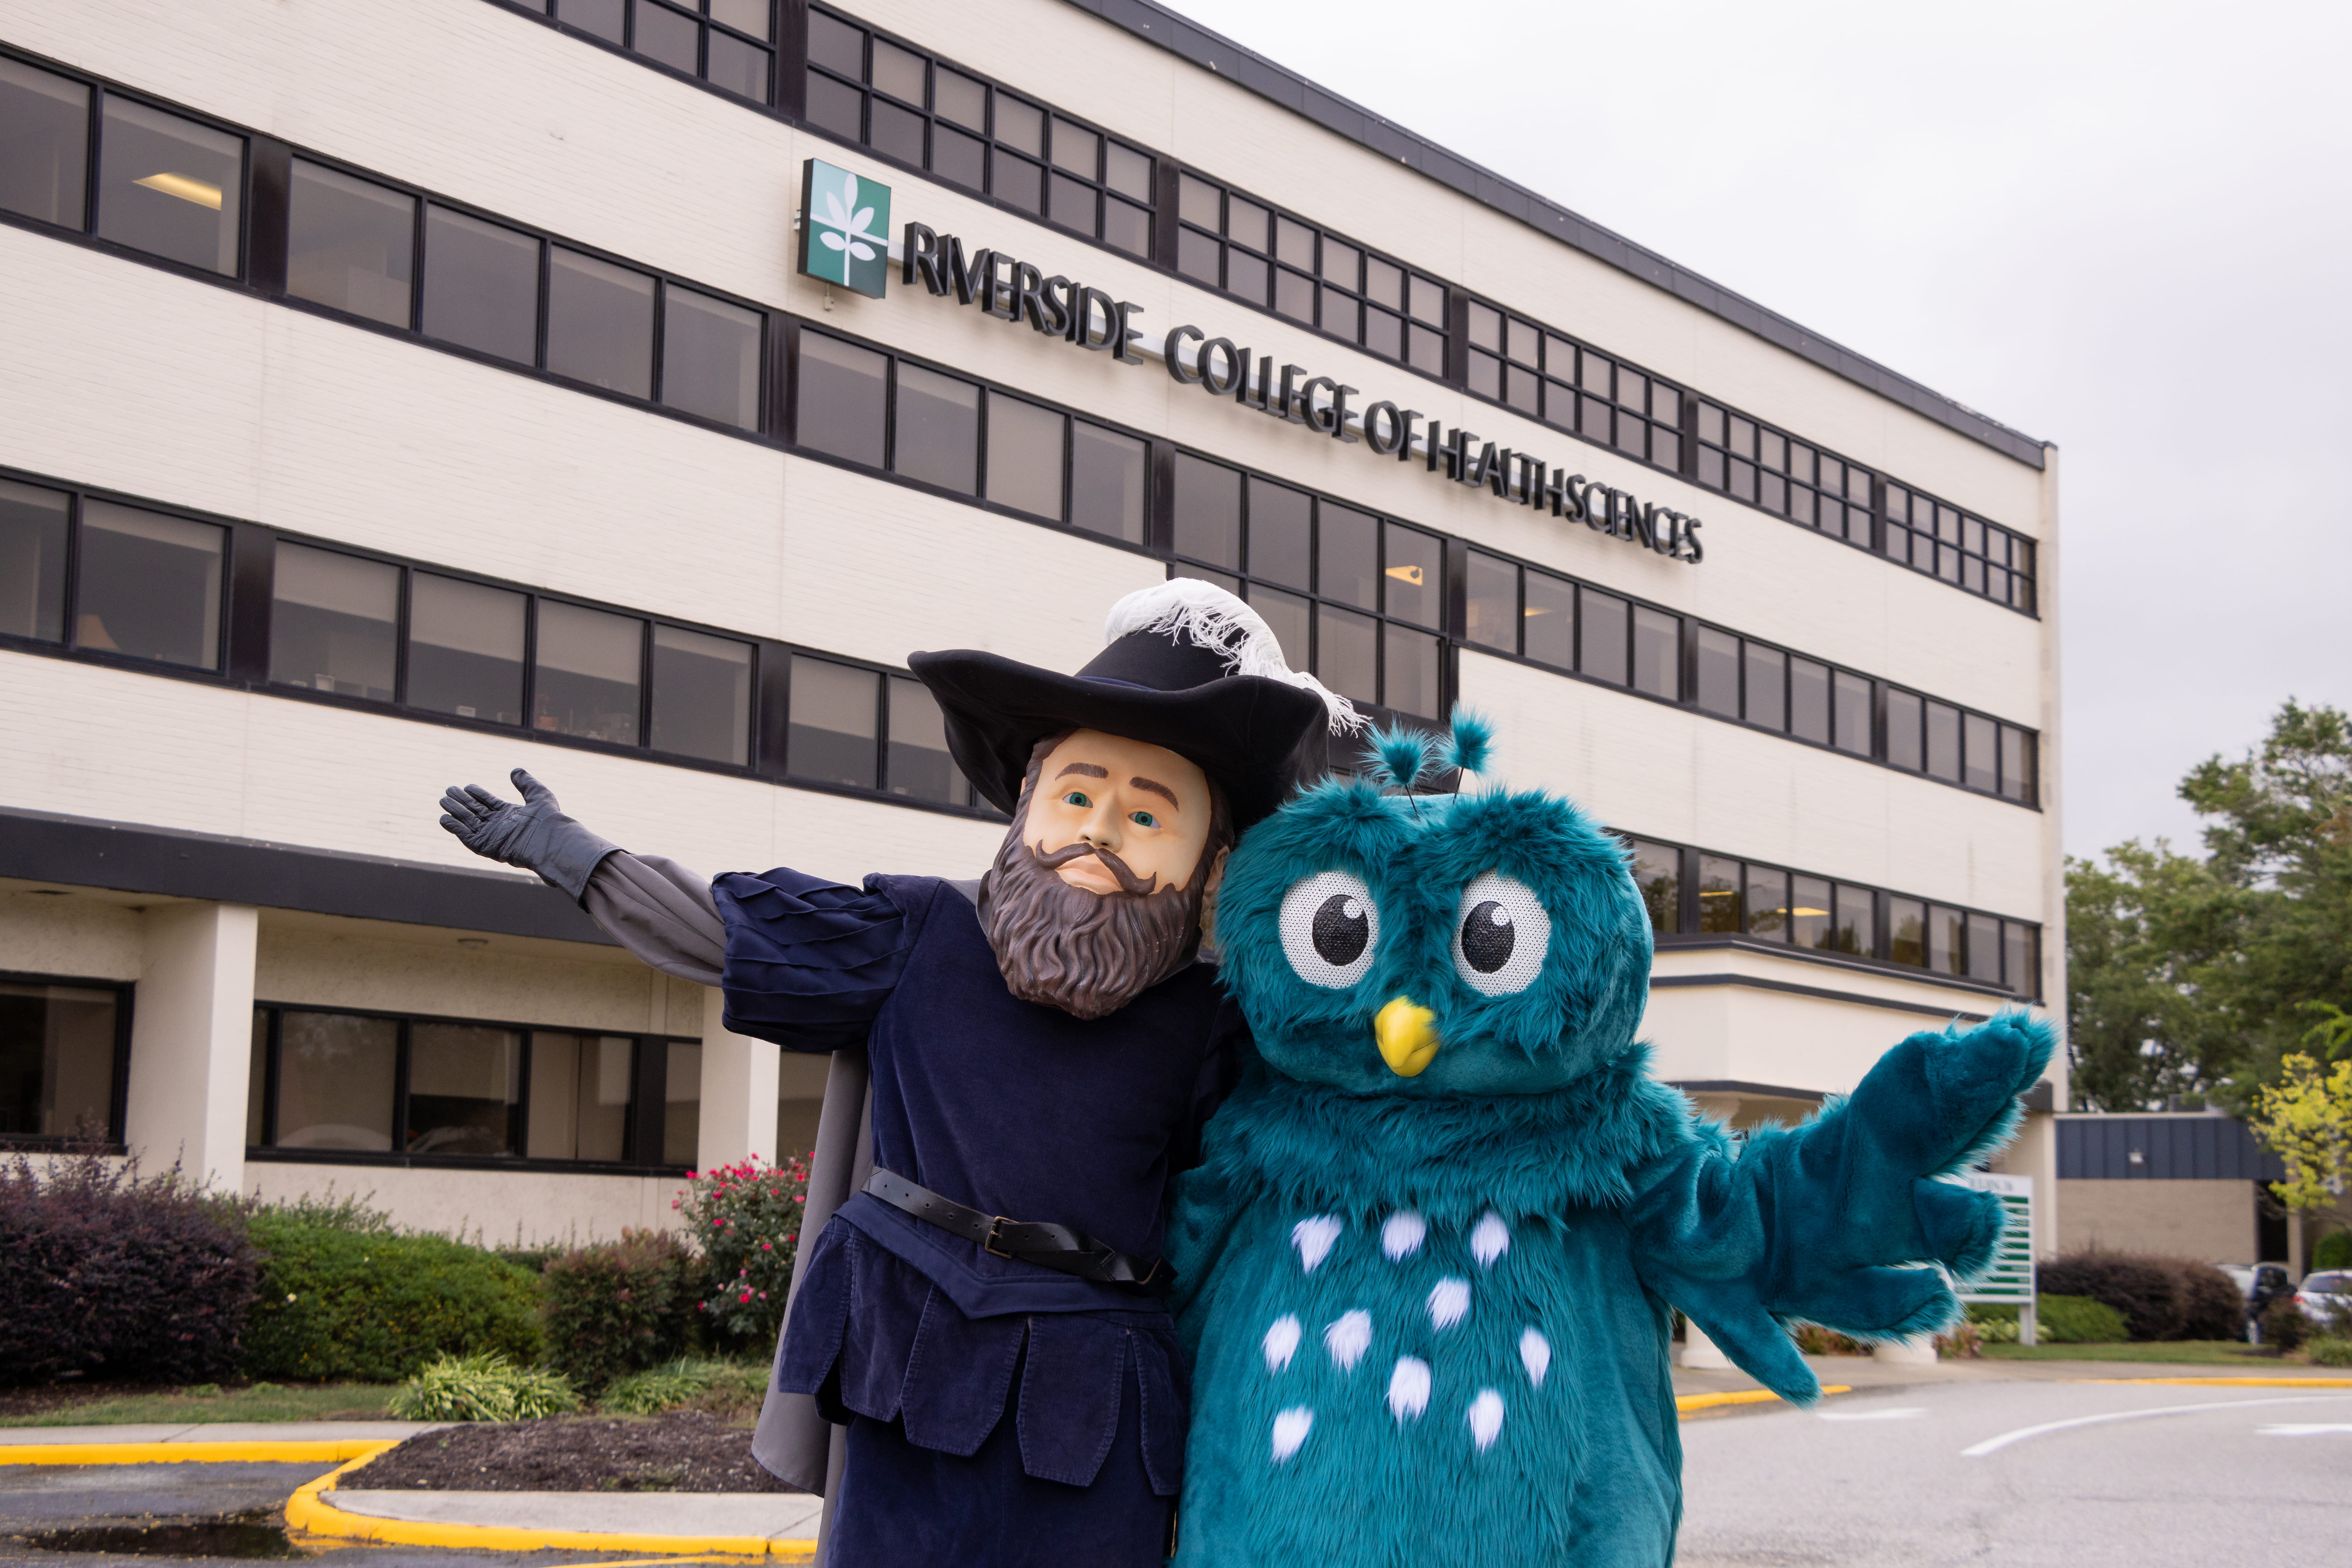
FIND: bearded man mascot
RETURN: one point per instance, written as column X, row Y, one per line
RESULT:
column 982, row 1314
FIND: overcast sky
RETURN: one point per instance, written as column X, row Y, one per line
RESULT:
column 2120, row 227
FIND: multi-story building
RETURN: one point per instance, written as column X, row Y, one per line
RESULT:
column 398, row 395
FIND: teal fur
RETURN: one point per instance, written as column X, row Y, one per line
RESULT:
column 1537, row 1120
column 1399, row 757
column 1471, row 745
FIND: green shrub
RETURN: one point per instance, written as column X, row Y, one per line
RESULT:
column 105, row 1273
column 2334, row 1251
column 487, row 1387
column 620, row 1306
column 746, row 1222
column 2331, row 1349
column 686, row 1383
column 1997, row 1331
column 2078, row 1321
column 2160, row 1298
column 368, row 1305
column 2284, row 1326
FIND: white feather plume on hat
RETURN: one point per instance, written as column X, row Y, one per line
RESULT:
column 1187, row 608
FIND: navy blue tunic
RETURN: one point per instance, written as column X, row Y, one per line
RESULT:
column 982, row 1391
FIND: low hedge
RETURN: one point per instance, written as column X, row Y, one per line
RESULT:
column 370, row 1306
column 108, row 1274
column 620, row 1307
column 2160, row 1298
column 2077, row 1320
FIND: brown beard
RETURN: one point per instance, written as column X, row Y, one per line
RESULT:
column 1086, row 952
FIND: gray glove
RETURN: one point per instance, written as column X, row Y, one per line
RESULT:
column 535, row 835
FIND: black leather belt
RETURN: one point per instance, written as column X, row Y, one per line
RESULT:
column 1049, row 1245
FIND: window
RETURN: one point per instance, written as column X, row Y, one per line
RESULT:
column 2021, row 958
column 170, row 186
column 1345, row 593
column 1657, row 653
column 1658, row 872
column 1857, row 921
column 587, row 673
column 1947, row 939
column 1491, row 595
column 465, row 648
column 1314, row 278
column 1550, row 620
column 842, row 399
column 149, row 585
column 1905, row 730
column 1107, row 481
column 1944, row 742
column 702, row 696
column 681, row 1123
column 1768, row 903
column 1809, row 701
column 431, row 1088
column 582, row 1090
column 44, row 144
column 928, row 114
column 2016, row 763
column 1719, row 672
column 1943, row 541
column 334, row 623
column 1981, row 766
column 351, row 244
column 1721, row 911
column 1025, row 454
column 1853, row 708
column 712, row 353
column 1768, row 686
column 1813, row 916
column 1906, row 927
column 1548, row 376
column 62, row 1045
column 34, row 523
column 728, row 43
column 1984, row 948
column 836, row 716
column 937, row 433
column 918, row 764
column 1603, row 636
column 599, row 323
column 481, row 286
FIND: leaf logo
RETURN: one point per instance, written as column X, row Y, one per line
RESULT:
column 847, row 224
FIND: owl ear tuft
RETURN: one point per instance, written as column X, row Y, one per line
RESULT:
column 1398, row 756
column 1472, row 745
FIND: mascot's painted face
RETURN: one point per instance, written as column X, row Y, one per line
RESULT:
column 1487, row 943
column 1139, row 803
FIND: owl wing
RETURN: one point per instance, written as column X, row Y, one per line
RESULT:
column 1826, row 1222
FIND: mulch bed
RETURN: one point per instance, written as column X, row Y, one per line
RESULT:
column 682, row 1451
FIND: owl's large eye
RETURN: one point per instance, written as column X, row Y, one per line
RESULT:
column 1500, row 936
column 1331, row 929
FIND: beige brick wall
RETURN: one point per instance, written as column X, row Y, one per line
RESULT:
column 2213, row 1221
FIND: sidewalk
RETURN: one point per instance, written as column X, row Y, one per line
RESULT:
column 1861, row 1372
column 221, row 1432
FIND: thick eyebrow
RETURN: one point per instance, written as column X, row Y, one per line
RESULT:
column 1085, row 769
column 1156, row 788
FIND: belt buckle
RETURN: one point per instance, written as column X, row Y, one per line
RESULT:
column 988, row 1243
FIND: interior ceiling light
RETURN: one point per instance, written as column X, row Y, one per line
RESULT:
column 186, row 189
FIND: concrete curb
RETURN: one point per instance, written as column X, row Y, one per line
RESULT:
column 293, row 1451
column 1688, row 1403
column 2343, row 1383
column 312, row 1511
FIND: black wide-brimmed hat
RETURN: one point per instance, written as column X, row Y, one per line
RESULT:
column 1186, row 666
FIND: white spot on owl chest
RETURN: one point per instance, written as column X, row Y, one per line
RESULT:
column 1313, row 1238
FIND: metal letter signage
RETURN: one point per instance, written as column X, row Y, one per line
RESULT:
column 844, row 228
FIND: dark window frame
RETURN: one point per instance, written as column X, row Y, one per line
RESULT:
column 119, row 1094
column 644, row 1121
column 773, row 47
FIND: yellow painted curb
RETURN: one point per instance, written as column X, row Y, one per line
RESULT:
column 1687, row 1402
column 317, row 1450
column 310, row 1509
column 2342, row 1383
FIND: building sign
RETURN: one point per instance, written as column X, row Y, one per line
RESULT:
column 1020, row 294
column 844, row 228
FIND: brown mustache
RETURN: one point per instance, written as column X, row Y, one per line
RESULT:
column 1128, row 882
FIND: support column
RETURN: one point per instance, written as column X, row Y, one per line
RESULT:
column 191, row 1041
column 1700, row 1353
column 1919, row 1352
column 738, row 1091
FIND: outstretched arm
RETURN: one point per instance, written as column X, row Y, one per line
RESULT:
column 656, row 907
column 1827, row 1222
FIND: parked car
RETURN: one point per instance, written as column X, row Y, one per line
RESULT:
column 2260, row 1284
column 2326, row 1299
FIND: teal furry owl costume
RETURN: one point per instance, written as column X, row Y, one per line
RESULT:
column 1427, row 1266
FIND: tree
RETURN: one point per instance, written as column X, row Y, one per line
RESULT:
column 2305, row 1116
column 2141, row 933
column 2191, row 975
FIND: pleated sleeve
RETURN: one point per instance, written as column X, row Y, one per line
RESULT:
column 809, row 963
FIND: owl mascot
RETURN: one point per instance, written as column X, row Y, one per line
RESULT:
column 1427, row 1266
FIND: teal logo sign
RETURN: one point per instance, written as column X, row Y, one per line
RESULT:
column 844, row 228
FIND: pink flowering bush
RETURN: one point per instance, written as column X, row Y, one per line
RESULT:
column 745, row 1219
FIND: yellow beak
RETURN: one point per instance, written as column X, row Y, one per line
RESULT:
column 1407, row 1042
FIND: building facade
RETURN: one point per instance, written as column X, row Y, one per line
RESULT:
column 623, row 389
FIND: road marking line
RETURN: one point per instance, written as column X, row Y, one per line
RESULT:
column 1991, row 1443
column 2228, row 1382
column 2312, row 1430
column 1902, row 1413
column 1687, row 1402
